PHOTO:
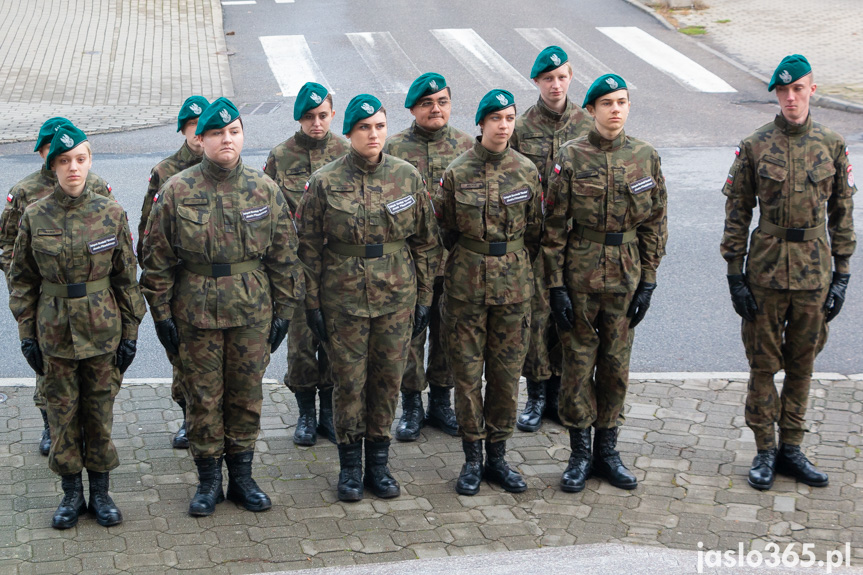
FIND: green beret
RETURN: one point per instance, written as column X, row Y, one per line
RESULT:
column 310, row 96
column 217, row 115
column 48, row 129
column 549, row 59
column 605, row 84
column 428, row 83
column 66, row 138
column 790, row 69
column 360, row 107
column 492, row 102
column 192, row 108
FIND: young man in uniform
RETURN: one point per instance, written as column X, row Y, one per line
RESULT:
column 430, row 144
column 798, row 173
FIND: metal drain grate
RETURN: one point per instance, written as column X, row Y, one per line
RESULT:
column 258, row 108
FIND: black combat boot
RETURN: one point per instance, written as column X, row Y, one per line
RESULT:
column 763, row 469
column 242, row 489
column 471, row 472
column 606, row 460
column 412, row 416
column 497, row 470
column 45, row 441
column 578, row 470
column 306, row 431
column 72, row 505
column 209, row 491
column 326, row 429
column 378, row 477
column 181, row 440
column 791, row 461
column 351, row 471
column 552, row 393
column 101, row 504
column 440, row 413
column 531, row 418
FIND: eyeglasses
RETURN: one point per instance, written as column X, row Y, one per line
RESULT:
column 442, row 103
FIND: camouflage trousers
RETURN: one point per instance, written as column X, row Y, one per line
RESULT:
column 222, row 373
column 367, row 361
column 417, row 376
column 176, row 378
column 544, row 356
column 307, row 358
column 788, row 332
column 79, row 401
column 596, row 355
column 491, row 337
column 38, row 396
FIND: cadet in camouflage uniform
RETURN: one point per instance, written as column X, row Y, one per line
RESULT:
column 75, row 295
column 291, row 164
column 369, row 249
column 222, row 279
column 430, row 144
column 798, row 173
column 35, row 187
column 601, row 273
column 489, row 214
column 189, row 154
column 539, row 133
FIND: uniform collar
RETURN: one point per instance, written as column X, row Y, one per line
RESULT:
column 48, row 174
column 214, row 171
column 485, row 154
column 606, row 145
column 428, row 135
column 551, row 114
column 792, row 129
column 307, row 142
column 363, row 164
column 68, row 202
column 186, row 155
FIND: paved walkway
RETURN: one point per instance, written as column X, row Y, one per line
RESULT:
column 107, row 66
column 685, row 440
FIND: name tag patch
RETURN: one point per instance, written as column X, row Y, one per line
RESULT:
column 400, row 205
column 254, row 214
column 472, row 186
column 103, row 245
column 49, row 232
column 642, row 185
column 515, row 197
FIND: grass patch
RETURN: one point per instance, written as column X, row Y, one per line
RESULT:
column 693, row 30
column 723, row 21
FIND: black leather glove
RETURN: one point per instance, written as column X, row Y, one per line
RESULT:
column 561, row 308
column 278, row 331
column 422, row 317
column 640, row 303
column 741, row 297
column 168, row 336
column 315, row 319
column 126, row 353
column 836, row 295
column 31, row 351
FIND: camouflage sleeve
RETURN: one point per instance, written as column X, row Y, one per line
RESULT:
column 840, row 219
column 124, row 281
column 513, row 140
column 555, row 233
column 270, row 166
column 653, row 232
column 103, row 188
column 25, row 283
column 444, row 200
column 146, row 208
column 533, row 231
column 739, row 190
column 423, row 244
column 159, row 259
column 310, row 224
column 9, row 228
column 283, row 267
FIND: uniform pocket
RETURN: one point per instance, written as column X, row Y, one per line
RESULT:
column 401, row 217
column 821, row 177
column 193, row 226
column 771, row 180
column 469, row 208
column 257, row 227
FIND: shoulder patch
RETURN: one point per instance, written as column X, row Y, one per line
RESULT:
column 400, row 204
column 515, row 197
column 103, row 245
column 9, row 197
column 642, row 185
column 850, row 177
column 254, row 214
column 108, row 186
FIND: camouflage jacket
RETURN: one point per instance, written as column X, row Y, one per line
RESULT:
column 356, row 202
column 32, row 188
column 607, row 186
column 66, row 240
column 170, row 166
column 208, row 215
column 540, row 132
column 800, row 177
column 489, row 197
column 291, row 163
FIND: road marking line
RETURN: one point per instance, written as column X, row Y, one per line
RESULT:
column 488, row 67
column 238, row 2
column 666, row 59
column 292, row 63
column 284, row 1
column 585, row 67
column 386, row 60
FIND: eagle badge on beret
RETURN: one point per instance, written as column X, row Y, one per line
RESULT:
column 785, row 76
column 612, row 83
column 556, row 59
column 67, row 140
column 196, row 109
column 225, row 115
column 317, row 99
column 368, row 108
column 502, row 99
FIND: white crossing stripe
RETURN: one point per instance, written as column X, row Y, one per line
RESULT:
column 284, row 1
column 666, row 59
column 485, row 65
column 292, row 63
column 386, row 60
column 238, row 2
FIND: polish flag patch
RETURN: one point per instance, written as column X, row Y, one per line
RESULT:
column 440, row 183
column 730, row 179
column 156, row 198
column 557, row 168
column 110, row 189
column 9, row 197
column 306, row 188
column 737, row 151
